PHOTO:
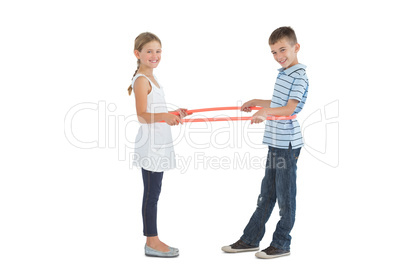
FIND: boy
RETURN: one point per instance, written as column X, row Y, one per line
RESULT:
column 285, row 141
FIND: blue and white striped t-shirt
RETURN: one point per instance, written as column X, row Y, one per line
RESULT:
column 291, row 83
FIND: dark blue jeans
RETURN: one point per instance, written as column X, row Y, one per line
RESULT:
column 152, row 189
column 279, row 183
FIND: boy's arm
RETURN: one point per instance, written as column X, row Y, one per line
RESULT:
column 255, row 102
column 287, row 110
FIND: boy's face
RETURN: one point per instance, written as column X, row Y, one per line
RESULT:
column 284, row 53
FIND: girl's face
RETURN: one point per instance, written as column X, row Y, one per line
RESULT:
column 150, row 55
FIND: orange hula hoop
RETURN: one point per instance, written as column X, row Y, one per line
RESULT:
column 217, row 119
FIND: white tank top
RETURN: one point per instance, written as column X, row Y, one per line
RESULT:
column 154, row 143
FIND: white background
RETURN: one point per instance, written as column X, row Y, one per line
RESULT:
column 64, row 206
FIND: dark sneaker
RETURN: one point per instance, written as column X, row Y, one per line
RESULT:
column 239, row 246
column 272, row 252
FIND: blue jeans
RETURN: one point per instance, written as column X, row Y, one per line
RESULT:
column 152, row 190
column 279, row 183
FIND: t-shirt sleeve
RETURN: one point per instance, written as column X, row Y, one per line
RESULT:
column 298, row 88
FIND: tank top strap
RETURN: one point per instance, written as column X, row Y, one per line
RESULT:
column 149, row 80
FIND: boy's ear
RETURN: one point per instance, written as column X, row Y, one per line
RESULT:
column 297, row 47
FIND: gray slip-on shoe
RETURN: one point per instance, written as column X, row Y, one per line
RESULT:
column 150, row 252
column 174, row 249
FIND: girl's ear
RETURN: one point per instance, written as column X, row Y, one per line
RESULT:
column 137, row 54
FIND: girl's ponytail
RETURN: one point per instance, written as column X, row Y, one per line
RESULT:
column 130, row 88
column 140, row 41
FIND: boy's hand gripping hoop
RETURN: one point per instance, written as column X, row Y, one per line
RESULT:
column 216, row 119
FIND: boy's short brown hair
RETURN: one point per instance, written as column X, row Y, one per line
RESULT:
column 283, row 32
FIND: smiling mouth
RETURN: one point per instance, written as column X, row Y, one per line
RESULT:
column 282, row 62
column 154, row 61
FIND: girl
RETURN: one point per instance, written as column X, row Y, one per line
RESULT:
column 153, row 145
